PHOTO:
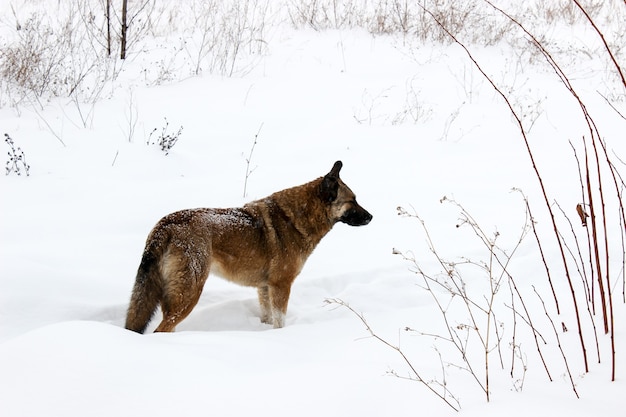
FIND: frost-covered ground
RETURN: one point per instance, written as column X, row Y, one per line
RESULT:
column 412, row 123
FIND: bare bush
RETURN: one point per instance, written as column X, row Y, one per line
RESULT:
column 474, row 315
column 224, row 31
column 472, row 21
column 164, row 140
column 399, row 16
column 17, row 159
column 34, row 63
column 479, row 319
column 56, row 58
column 600, row 183
column 561, row 11
column 328, row 14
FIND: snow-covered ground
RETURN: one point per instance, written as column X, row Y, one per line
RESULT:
column 412, row 122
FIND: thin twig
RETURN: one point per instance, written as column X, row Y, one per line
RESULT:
column 558, row 339
column 248, row 159
column 407, row 361
column 606, row 45
column 582, row 276
column 540, row 246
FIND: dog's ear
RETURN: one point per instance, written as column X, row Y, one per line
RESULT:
column 330, row 183
column 336, row 168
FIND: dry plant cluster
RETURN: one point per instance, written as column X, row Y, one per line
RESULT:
column 79, row 49
column 587, row 280
column 164, row 140
column 17, row 159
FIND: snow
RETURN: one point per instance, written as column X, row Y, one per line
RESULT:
column 411, row 123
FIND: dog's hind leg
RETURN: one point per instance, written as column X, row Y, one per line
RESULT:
column 184, row 282
column 176, row 311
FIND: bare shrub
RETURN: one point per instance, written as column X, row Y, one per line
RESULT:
column 328, row 14
column 472, row 21
column 474, row 315
column 564, row 11
column 400, row 16
column 224, row 31
column 164, row 140
column 56, row 58
column 34, row 63
column 17, row 159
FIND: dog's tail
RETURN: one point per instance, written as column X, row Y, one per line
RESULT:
column 147, row 292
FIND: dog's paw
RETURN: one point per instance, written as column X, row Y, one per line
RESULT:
column 279, row 319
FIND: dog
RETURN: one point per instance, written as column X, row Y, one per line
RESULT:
column 263, row 244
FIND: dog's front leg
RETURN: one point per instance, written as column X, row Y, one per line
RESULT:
column 264, row 301
column 279, row 298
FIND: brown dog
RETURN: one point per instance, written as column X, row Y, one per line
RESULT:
column 263, row 244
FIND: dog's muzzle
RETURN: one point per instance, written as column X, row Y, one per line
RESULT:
column 356, row 216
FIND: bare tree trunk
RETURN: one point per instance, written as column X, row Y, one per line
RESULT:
column 124, row 27
column 108, row 17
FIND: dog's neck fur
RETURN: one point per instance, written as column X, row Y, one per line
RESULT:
column 311, row 219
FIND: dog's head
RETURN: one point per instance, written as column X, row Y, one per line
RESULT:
column 341, row 200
